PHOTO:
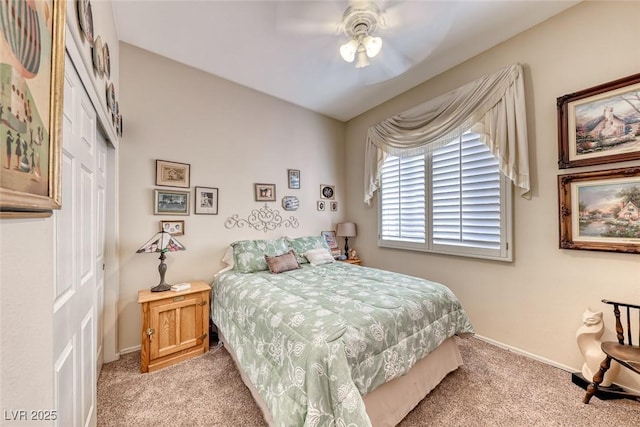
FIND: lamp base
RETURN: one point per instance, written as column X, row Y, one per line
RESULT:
column 161, row 288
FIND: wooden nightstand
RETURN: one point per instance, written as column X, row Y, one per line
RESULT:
column 352, row 261
column 174, row 325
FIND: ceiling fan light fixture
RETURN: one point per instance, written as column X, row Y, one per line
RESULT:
column 372, row 45
column 359, row 22
column 363, row 59
column 348, row 50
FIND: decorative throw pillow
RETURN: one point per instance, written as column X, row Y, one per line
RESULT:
column 282, row 263
column 319, row 256
column 249, row 255
column 301, row 245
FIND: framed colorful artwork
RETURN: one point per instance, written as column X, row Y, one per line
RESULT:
column 172, row 174
column 330, row 238
column 206, row 201
column 168, row 202
column 31, row 107
column 265, row 192
column 600, row 210
column 600, row 125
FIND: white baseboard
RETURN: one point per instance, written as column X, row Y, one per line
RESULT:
column 527, row 354
column 542, row 359
column 130, row 349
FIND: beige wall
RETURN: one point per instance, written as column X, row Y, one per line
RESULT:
column 232, row 137
column 534, row 303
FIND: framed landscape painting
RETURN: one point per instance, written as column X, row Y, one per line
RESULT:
column 32, row 75
column 600, row 210
column 600, row 125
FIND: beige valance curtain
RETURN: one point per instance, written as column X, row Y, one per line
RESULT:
column 492, row 106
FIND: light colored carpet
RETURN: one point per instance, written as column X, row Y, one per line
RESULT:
column 495, row 387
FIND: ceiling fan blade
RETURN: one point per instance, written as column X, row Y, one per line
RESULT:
column 310, row 17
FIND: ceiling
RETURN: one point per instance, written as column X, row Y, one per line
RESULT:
column 290, row 49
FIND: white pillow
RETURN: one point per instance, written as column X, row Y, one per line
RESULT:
column 319, row 256
column 227, row 259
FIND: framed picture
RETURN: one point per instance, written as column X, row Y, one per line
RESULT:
column 600, row 125
column 330, row 238
column 321, row 205
column 169, row 202
column 293, row 178
column 327, row 192
column 265, row 192
column 175, row 228
column 172, row 174
column 333, row 206
column 206, row 200
column 600, row 210
column 32, row 71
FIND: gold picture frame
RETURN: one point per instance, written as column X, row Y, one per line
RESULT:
column 32, row 120
column 600, row 125
column 600, row 210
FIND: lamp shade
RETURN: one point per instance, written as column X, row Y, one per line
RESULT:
column 162, row 241
column 346, row 229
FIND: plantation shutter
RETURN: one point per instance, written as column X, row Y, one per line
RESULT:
column 403, row 199
column 466, row 195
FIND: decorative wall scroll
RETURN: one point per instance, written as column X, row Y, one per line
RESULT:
column 600, row 210
column 263, row 219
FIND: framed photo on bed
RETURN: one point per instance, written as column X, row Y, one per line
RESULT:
column 330, row 238
column 600, row 210
column 600, row 125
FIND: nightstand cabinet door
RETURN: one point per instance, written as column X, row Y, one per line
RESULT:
column 177, row 323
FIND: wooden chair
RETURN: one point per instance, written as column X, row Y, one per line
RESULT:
column 625, row 353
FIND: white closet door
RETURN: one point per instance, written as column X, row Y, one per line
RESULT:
column 79, row 241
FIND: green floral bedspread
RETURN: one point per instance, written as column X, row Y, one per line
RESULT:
column 314, row 340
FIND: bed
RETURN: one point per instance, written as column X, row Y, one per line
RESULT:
column 329, row 343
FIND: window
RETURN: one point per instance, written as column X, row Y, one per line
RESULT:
column 454, row 201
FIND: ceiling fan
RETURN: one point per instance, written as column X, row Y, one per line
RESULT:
column 384, row 37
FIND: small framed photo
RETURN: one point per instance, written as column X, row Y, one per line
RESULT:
column 175, row 228
column 600, row 125
column 321, row 205
column 265, row 192
column 172, row 174
column 169, row 202
column 333, row 206
column 293, row 178
column 206, row 201
column 327, row 192
column 600, row 210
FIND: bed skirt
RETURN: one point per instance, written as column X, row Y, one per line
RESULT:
column 388, row 404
